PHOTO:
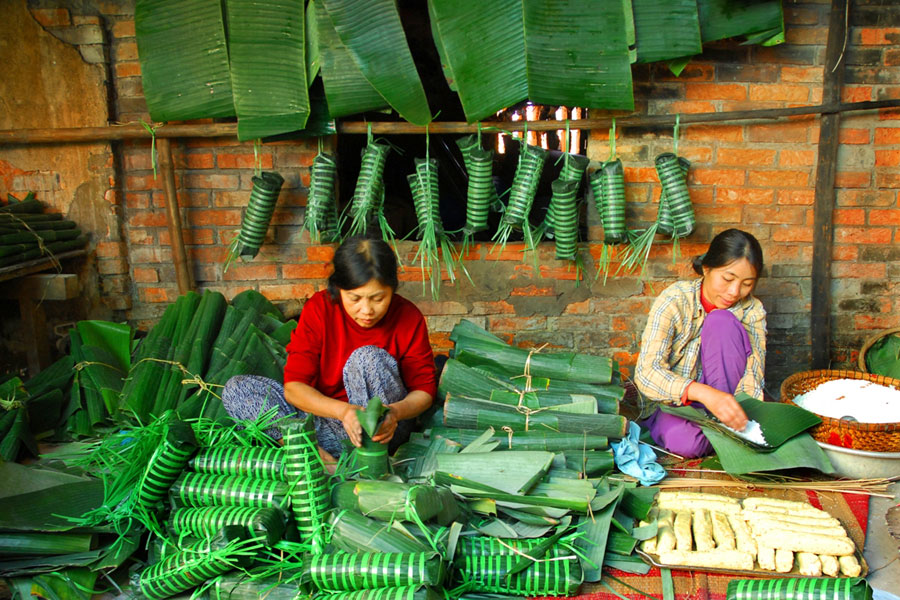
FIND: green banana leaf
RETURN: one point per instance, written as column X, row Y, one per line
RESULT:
column 762, row 22
column 596, row 531
column 311, row 41
column 666, row 29
column 801, row 451
column 572, row 52
column 184, row 59
column 883, row 357
column 266, row 44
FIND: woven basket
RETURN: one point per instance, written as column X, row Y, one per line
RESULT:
column 874, row 437
column 861, row 361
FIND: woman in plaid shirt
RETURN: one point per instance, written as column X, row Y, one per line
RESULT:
column 705, row 340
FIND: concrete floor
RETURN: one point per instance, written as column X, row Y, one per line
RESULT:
column 881, row 551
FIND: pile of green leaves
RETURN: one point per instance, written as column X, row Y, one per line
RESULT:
column 883, row 357
column 27, row 232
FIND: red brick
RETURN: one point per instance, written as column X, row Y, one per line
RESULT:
column 138, row 161
column 744, row 195
column 440, row 341
column 285, row 291
column 142, row 182
column 887, row 158
column 713, row 133
column 841, row 253
column 204, row 181
column 121, row 29
column 196, row 235
column 856, row 93
column 882, row 198
column 522, row 271
column 876, row 321
column 148, row 219
column 891, row 58
column 533, row 290
column 218, row 216
column 111, row 249
column 567, row 273
column 888, row 114
column 886, row 136
column 792, row 234
column 691, row 106
column 243, row 161
column 779, row 93
column 141, row 236
column 848, row 179
column 195, row 160
column 239, row 272
column 128, row 69
column 793, row 131
column 806, row 36
column 887, row 180
column 856, row 270
column 155, row 295
column 51, row 17
column 498, row 307
column 713, row 214
column 231, row 199
column 745, row 157
column 795, row 74
column 862, row 235
column 145, row 275
column 292, row 160
column 796, row 158
column 501, row 324
column 800, row 16
column 715, row 91
column 126, row 51
column 849, row 216
column 112, row 266
column 716, row 176
column 781, row 179
column 578, row 308
column 512, row 252
column 320, row 253
column 879, row 36
column 208, row 254
column 854, row 136
column 884, row 217
column 702, row 154
column 782, row 215
column 307, row 271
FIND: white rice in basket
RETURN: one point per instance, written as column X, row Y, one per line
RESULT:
column 856, row 399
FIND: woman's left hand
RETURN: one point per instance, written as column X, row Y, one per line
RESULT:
column 386, row 430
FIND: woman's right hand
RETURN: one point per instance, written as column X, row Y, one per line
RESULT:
column 351, row 424
column 721, row 404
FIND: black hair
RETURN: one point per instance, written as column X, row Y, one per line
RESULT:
column 729, row 246
column 358, row 261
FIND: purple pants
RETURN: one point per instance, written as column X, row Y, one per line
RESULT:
column 724, row 349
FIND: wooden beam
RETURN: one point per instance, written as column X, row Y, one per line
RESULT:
column 51, row 286
column 823, row 210
column 210, row 130
column 37, row 265
column 173, row 216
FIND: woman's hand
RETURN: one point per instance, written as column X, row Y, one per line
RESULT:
column 351, row 424
column 721, row 404
column 387, row 428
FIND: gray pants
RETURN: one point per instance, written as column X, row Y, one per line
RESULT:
column 369, row 372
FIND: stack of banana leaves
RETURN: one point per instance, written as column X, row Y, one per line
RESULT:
column 28, row 233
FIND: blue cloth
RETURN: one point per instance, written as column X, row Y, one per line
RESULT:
column 636, row 458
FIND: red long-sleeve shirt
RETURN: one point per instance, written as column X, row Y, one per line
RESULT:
column 326, row 335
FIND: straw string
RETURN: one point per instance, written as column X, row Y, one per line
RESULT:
column 518, row 552
column 527, row 370
column 509, row 435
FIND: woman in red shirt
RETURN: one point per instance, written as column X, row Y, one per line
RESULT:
column 354, row 341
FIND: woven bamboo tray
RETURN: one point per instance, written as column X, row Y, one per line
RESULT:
column 874, row 437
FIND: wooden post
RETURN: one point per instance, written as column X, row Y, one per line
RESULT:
column 823, row 210
column 179, row 254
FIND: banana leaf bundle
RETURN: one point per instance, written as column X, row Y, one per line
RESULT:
column 548, row 441
column 411, row 592
column 245, row 461
column 21, row 543
column 372, row 457
column 26, row 233
column 592, row 463
column 344, row 571
column 481, row 545
column 482, row 349
column 266, row 524
column 480, row 194
column 353, row 532
column 309, row 492
column 321, row 218
column 551, row 577
column 469, row 413
column 388, row 500
column 367, row 205
column 255, row 224
column 800, row 588
column 240, row 586
column 14, row 428
column 166, row 464
column 521, row 195
column 186, row 569
column 205, row 489
column 562, row 219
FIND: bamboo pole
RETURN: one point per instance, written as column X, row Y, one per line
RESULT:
column 213, row 130
column 173, row 214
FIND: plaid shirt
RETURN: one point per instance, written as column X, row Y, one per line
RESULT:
column 670, row 345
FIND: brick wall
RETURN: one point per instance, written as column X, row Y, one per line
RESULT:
column 758, row 176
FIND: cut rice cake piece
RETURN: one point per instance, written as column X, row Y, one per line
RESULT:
column 701, row 525
column 807, row 542
column 789, row 506
column 722, row 532
column 683, row 540
column 742, row 536
column 784, row 560
column 649, row 545
column 779, row 515
column 696, row 500
column 830, row 565
column 809, row 564
column 665, row 536
column 715, row 559
column 760, row 526
column 850, row 567
column 765, row 556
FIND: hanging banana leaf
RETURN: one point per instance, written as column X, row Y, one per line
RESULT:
column 184, row 59
column 761, row 22
column 373, row 36
column 572, row 52
column 666, row 29
column 268, row 75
